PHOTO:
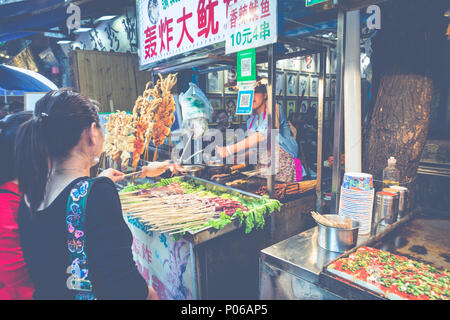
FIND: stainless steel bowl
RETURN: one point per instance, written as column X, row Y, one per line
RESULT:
column 337, row 239
column 193, row 170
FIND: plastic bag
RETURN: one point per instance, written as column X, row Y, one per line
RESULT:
column 194, row 104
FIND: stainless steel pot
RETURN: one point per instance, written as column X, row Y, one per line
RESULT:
column 337, row 239
column 194, row 170
column 403, row 201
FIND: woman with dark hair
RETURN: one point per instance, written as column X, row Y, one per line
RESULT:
column 15, row 283
column 75, row 241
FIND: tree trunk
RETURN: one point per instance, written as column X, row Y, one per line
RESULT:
column 403, row 55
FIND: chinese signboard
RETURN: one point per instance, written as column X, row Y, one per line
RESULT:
column 251, row 24
column 171, row 27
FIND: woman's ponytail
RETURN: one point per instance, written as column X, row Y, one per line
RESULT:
column 32, row 161
column 60, row 118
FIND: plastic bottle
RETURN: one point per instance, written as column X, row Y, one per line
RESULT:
column 391, row 175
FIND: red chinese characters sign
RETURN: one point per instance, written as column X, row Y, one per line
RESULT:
column 171, row 27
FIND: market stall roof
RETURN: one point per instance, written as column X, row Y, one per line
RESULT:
column 24, row 18
column 13, row 78
column 11, row 93
column 21, row 19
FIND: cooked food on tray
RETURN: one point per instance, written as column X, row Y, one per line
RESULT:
column 175, row 205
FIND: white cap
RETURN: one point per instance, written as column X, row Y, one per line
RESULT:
column 392, row 160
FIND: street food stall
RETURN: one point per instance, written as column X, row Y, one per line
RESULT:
column 207, row 246
column 389, row 251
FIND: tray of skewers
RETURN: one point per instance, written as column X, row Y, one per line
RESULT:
column 187, row 204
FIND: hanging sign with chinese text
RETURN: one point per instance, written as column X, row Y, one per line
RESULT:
column 171, row 27
column 251, row 24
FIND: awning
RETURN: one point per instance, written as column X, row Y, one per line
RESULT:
column 13, row 78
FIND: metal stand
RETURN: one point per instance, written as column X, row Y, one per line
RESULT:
column 338, row 113
column 320, row 107
column 271, row 101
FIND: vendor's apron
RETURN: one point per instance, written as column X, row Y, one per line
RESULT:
column 285, row 169
column 284, row 165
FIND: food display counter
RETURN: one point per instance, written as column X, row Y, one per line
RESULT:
column 297, row 268
column 208, row 263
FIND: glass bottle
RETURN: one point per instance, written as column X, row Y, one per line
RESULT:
column 391, row 175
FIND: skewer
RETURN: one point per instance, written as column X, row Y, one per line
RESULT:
column 133, row 174
column 173, row 215
column 182, row 230
column 128, row 193
column 180, row 227
column 165, row 210
column 177, row 222
column 164, row 215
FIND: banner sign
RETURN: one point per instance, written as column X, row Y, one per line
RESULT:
column 166, row 265
column 251, row 24
column 171, row 27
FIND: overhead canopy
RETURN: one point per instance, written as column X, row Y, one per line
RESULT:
column 24, row 18
column 13, row 78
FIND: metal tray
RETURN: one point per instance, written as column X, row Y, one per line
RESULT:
column 392, row 239
column 206, row 234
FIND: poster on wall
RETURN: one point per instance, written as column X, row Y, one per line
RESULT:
column 170, row 28
column 333, row 61
column 291, row 85
column 279, row 84
column 313, row 87
column 304, row 106
column 333, row 88
column 230, row 106
column 292, row 64
column 290, row 108
column 230, row 81
column 313, row 107
column 308, row 64
column 303, row 86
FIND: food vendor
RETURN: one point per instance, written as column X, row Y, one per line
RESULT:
column 288, row 168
